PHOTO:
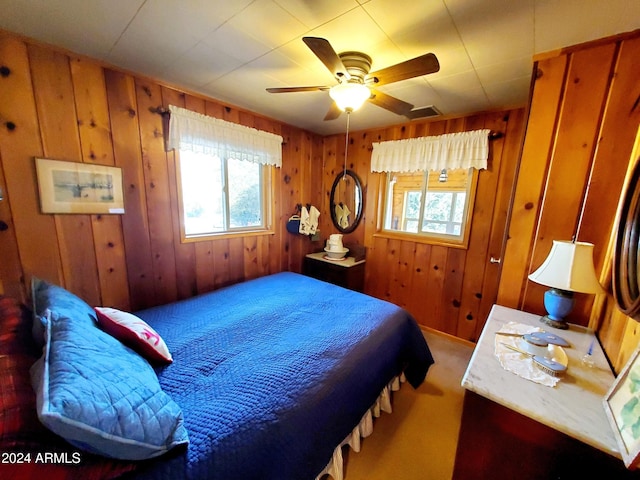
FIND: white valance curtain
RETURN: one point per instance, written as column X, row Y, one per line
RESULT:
column 199, row 133
column 448, row 151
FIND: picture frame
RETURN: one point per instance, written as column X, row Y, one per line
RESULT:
column 75, row 187
column 622, row 407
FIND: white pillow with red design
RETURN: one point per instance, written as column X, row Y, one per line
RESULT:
column 135, row 333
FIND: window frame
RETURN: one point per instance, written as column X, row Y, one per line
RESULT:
column 427, row 238
column 268, row 198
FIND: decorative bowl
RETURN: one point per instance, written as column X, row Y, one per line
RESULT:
column 336, row 254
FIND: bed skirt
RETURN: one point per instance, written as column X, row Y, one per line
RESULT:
column 335, row 467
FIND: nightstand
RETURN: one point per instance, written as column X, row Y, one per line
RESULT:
column 515, row 428
column 346, row 273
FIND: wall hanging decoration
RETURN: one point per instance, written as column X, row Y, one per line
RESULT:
column 621, row 404
column 73, row 187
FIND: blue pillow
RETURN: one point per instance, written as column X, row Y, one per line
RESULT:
column 50, row 300
column 100, row 395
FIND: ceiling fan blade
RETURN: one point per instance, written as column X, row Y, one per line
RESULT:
column 333, row 113
column 390, row 103
column 416, row 67
column 296, row 89
column 327, row 55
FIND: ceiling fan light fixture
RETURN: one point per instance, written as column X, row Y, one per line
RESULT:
column 349, row 96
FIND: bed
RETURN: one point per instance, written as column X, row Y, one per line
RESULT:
column 273, row 375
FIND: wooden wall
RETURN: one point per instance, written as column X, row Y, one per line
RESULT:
column 59, row 106
column 579, row 136
column 584, row 116
column 447, row 288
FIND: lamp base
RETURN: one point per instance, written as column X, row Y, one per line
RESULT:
column 560, row 324
column 558, row 304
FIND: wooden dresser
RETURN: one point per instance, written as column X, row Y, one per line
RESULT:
column 346, row 273
column 513, row 428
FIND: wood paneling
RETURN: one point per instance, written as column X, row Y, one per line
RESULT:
column 62, row 107
column 10, row 267
column 549, row 76
column 125, row 130
column 476, row 261
column 20, row 142
column 446, row 288
column 512, row 147
column 95, row 141
column 185, row 255
column 580, row 111
column 583, row 121
column 54, row 96
column 579, row 134
column 156, row 184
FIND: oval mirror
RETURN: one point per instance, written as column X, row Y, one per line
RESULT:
column 626, row 270
column 346, row 201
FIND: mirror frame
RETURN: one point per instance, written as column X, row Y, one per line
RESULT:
column 332, row 203
column 626, row 256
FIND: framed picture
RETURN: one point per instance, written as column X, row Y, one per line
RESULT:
column 622, row 406
column 73, row 187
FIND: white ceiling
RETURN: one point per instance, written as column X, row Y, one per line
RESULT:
column 232, row 50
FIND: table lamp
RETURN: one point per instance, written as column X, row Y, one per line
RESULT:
column 568, row 269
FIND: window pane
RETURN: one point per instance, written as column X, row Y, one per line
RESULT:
column 437, row 213
column 434, row 227
column 245, row 208
column 413, row 204
column 202, row 193
column 411, row 226
column 220, row 196
column 421, row 203
column 459, row 209
column 404, row 195
column 438, row 206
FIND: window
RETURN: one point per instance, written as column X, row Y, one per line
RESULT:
column 430, row 184
column 430, row 204
column 220, row 196
column 223, row 172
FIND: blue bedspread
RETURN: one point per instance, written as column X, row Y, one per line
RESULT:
column 272, row 374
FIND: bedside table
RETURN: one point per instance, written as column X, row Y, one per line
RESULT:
column 346, row 273
column 515, row 428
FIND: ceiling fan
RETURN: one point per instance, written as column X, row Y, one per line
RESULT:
column 356, row 83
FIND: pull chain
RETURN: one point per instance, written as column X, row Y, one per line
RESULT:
column 346, row 147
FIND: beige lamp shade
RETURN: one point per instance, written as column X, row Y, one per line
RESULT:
column 569, row 267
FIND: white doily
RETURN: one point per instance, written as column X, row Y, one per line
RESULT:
column 518, row 363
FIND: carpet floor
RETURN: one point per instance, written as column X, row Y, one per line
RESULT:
column 418, row 440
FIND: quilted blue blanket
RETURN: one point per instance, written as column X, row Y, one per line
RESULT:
column 272, row 374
